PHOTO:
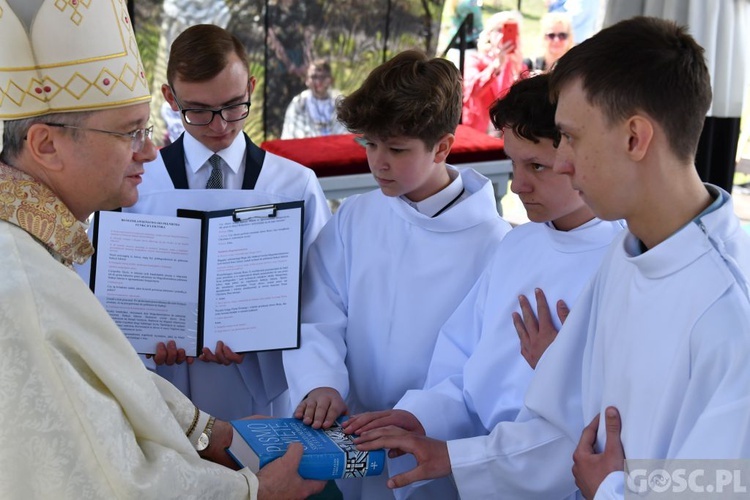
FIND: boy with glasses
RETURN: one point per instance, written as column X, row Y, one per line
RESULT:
column 208, row 82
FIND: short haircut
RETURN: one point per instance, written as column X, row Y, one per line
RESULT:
column 320, row 64
column 201, row 52
column 527, row 110
column 15, row 131
column 410, row 95
column 646, row 65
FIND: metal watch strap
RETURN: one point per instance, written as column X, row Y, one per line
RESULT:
column 205, row 437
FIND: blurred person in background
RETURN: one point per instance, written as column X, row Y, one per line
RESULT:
column 492, row 69
column 557, row 38
column 312, row 112
column 583, row 13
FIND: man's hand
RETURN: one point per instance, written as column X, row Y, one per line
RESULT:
column 536, row 336
column 169, row 354
column 223, row 355
column 280, row 479
column 376, row 419
column 591, row 468
column 321, row 407
column 221, row 438
column 432, row 456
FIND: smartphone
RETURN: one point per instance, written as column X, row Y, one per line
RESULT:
column 510, row 33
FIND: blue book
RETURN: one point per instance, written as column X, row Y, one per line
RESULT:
column 329, row 453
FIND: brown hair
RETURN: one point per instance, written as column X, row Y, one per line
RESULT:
column 646, row 65
column 410, row 95
column 320, row 64
column 201, row 52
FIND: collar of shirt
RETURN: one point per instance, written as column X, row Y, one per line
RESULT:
column 719, row 198
column 440, row 200
column 33, row 207
column 197, row 155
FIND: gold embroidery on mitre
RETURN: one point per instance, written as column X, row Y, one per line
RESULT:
column 91, row 63
column 76, row 16
column 33, row 207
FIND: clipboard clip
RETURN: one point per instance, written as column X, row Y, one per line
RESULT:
column 241, row 214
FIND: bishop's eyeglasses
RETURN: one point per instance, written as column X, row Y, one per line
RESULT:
column 137, row 137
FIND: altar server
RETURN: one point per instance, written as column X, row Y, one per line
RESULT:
column 209, row 84
column 391, row 265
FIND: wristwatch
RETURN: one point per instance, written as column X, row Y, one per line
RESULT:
column 205, row 438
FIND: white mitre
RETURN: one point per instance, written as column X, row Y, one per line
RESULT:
column 67, row 55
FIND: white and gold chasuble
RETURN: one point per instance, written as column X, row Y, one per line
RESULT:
column 80, row 416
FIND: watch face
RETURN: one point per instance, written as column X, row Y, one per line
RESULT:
column 202, row 442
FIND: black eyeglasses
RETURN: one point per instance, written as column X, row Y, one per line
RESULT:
column 137, row 137
column 204, row 116
column 561, row 36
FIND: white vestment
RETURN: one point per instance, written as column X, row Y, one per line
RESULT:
column 81, row 416
column 477, row 377
column 380, row 281
column 257, row 385
column 664, row 336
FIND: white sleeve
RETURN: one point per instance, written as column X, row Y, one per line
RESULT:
column 612, row 488
column 716, row 405
column 320, row 360
column 83, row 417
column 532, row 457
column 529, row 459
column 440, row 407
column 317, row 214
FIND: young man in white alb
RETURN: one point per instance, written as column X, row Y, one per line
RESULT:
column 392, row 264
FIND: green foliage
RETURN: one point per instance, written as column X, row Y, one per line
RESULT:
column 147, row 37
column 254, row 123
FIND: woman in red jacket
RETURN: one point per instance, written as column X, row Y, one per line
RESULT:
column 492, row 69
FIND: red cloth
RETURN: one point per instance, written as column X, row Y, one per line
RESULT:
column 341, row 154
